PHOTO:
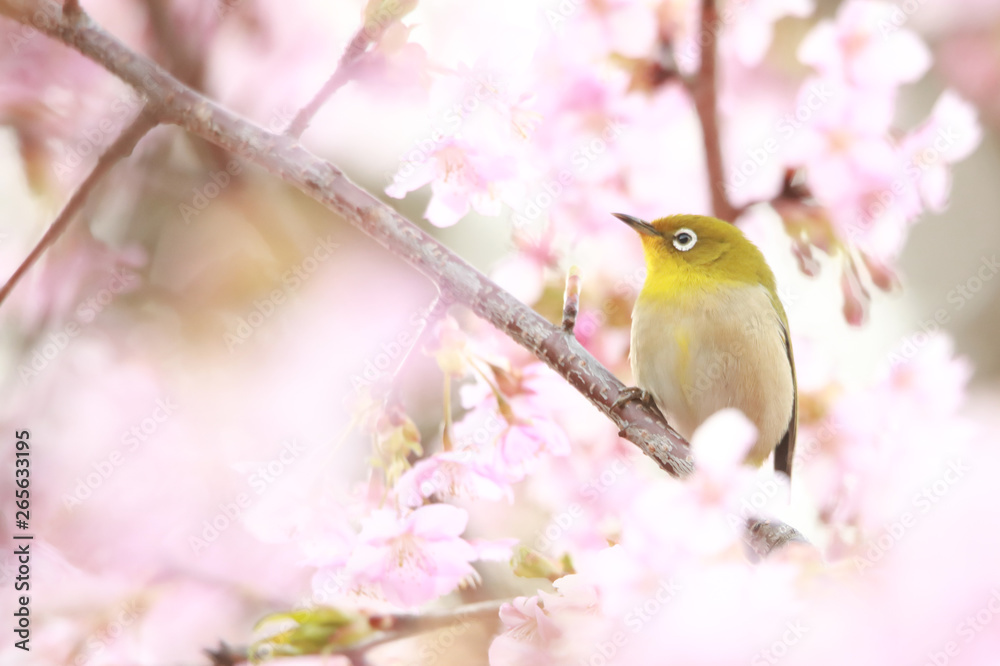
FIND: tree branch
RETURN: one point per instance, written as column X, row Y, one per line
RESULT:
column 355, row 50
column 122, row 147
column 571, row 300
column 434, row 313
column 170, row 101
column 189, row 68
column 283, row 157
column 369, row 33
column 405, row 625
column 393, row 627
column 766, row 536
column 703, row 91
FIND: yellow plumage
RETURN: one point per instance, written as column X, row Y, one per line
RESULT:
column 709, row 332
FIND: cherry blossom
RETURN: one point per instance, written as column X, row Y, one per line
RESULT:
column 520, row 447
column 751, row 25
column 528, row 631
column 416, row 558
column 428, row 449
column 462, row 177
column 948, row 136
column 453, row 475
column 864, row 48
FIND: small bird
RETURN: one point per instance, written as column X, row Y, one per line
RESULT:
column 709, row 332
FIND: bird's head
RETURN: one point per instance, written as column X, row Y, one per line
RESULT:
column 695, row 249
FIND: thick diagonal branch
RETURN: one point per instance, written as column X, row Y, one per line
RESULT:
column 282, row 156
column 170, row 101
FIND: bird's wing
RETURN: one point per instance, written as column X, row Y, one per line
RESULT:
column 785, row 451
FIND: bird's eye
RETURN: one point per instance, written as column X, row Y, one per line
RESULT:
column 685, row 239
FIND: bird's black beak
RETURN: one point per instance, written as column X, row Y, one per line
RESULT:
column 639, row 225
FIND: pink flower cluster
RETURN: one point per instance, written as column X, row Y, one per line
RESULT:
column 409, row 551
column 871, row 180
column 548, row 116
column 892, row 496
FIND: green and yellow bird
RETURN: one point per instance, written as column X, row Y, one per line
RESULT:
column 709, row 332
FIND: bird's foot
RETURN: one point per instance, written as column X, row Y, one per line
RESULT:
column 631, row 393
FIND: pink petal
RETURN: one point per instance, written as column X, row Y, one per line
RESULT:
column 819, row 47
column 380, row 525
column 522, row 276
column 959, row 129
column 446, row 207
column 935, row 185
column 722, row 442
column 496, row 550
column 438, row 521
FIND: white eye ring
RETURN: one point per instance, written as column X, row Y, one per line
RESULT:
column 685, row 239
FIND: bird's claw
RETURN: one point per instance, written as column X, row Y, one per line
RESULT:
column 631, row 393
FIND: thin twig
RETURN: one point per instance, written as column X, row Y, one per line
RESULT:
column 571, row 299
column 368, row 34
column 405, row 625
column 226, row 655
column 437, row 309
column 183, row 57
column 703, row 91
column 357, row 47
column 398, row 626
column 122, row 147
column 189, row 70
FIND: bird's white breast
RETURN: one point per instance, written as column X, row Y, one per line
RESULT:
column 720, row 349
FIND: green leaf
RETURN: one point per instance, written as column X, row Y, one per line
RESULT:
column 319, row 630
